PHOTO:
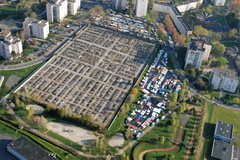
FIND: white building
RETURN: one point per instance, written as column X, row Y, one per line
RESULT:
column 36, row 28
column 56, row 10
column 198, row 51
column 120, row 4
column 187, row 5
column 73, row 6
column 141, row 7
column 8, row 44
column 224, row 79
column 218, row 2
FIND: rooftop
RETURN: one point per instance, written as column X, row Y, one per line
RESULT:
column 225, row 73
column 27, row 149
column 224, row 129
column 196, row 45
column 184, row 23
column 35, row 21
column 221, row 150
column 176, row 11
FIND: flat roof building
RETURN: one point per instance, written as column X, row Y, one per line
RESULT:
column 10, row 44
column 224, row 79
column 221, row 150
column 23, row 149
column 36, row 28
column 218, row 2
column 120, row 4
column 56, row 10
column 223, row 131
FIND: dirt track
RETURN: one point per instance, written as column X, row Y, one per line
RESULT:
column 173, row 148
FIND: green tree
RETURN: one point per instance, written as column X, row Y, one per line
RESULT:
column 217, row 37
column 30, row 113
column 218, row 49
column 208, row 10
column 233, row 33
column 33, row 15
column 236, row 100
column 198, row 29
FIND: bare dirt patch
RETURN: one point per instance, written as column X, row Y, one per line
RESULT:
column 117, row 140
column 72, row 132
column 37, row 109
column 12, row 80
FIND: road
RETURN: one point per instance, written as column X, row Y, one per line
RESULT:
column 42, row 58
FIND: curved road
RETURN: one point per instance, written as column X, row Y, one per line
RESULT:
column 173, row 148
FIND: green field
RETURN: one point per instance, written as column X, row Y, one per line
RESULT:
column 227, row 115
column 20, row 73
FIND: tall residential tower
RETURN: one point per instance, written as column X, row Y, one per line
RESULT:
column 141, row 7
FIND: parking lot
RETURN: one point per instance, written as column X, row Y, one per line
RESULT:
column 156, row 85
column 93, row 74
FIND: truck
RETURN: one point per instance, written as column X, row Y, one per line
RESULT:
column 138, row 135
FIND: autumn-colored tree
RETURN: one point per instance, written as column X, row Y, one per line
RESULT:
column 235, row 5
column 160, row 28
column 135, row 91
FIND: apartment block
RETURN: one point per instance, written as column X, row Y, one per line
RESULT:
column 224, row 79
column 198, row 50
column 141, row 7
column 36, row 28
column 73, row 6
column 56, row 10
column 8, row 44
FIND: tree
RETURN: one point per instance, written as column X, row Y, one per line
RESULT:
column 198, row 29
column 135, row 91
column 30, row 113
column 162, row 139
column 160, row 28
column 25, row 45
column 218, row 49
column 128, row 133
column 236, row 100
column 130, row 98
column 235, row 5
column 233, row 33
column 22, row 35
column 17, row 35
column 208, row 10
column 33, row 15
column 217, row 37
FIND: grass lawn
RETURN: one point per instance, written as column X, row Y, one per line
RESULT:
column 213, row 93
column 220, row 19
column 227, row 115
column 27, row 51
column 12, row 62
column 230, row 44
column 60, row 29
column 20, row 73
column 49, row 36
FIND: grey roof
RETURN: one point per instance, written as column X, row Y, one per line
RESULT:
column 5, row 139
column 27, row 149
column 176, row 11
column 197, row 45
column 222, row 150
column 224, row 129
column 184, row 23
column 225, row 73
column 29, row 20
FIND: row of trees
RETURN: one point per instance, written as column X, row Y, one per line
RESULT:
column 178, row 38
